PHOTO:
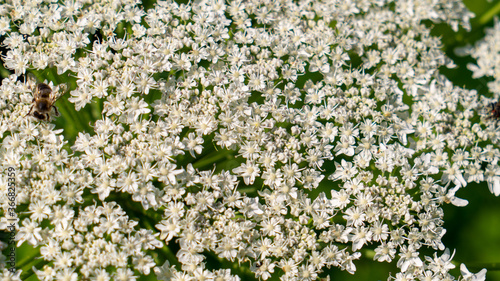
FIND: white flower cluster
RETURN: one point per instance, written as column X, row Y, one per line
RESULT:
column 285, row 135
column 487, row 55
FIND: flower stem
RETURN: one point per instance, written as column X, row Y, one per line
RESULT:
column 212, row 158
column 488, row 15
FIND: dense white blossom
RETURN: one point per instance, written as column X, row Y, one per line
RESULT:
column 284, row 135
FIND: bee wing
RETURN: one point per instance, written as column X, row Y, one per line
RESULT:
column 31, row 82
column 30, row 78
column 62, row 89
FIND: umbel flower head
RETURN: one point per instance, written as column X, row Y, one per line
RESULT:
column 286, row 136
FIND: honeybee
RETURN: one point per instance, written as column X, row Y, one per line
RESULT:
column 43, row 102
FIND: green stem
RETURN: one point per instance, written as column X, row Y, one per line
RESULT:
column 170, row 256
column 70, row 118
column 488, row 16
column 29, row 272
column 212, row 158
column 476, row 266
column 246, row 190
column 28, row 259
